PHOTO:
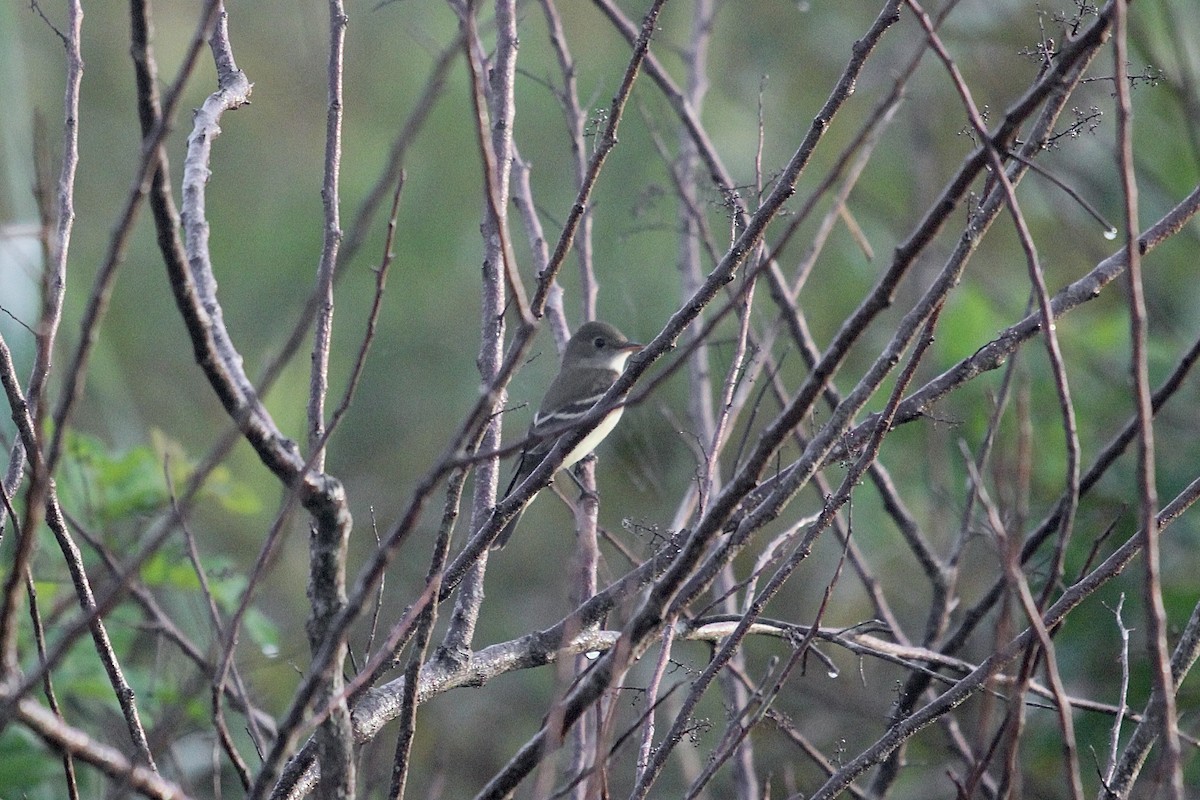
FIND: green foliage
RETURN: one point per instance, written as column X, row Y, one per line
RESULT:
column 117, row 488
column 24, row 769
column 116, row 485
column 167, row 570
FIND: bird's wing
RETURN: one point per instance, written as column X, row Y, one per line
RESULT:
column 559, row 409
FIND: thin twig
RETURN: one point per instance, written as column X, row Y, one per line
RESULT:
column 1152, row 590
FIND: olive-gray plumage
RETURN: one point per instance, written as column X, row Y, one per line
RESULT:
column 593, row 360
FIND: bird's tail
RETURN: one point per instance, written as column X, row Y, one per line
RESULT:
column 507, row 532
column 525, row 465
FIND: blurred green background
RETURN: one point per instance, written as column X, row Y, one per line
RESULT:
column 144, row 390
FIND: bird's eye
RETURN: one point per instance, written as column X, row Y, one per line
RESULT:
column 599, row 342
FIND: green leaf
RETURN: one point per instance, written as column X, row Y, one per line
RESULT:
column 23, row 764
column 118, row 485
column 168, row 570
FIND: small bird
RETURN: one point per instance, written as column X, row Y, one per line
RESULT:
column 594, row 359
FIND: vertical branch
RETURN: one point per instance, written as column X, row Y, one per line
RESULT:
column 10, row 604
column 605, row 143
column 576, row 119
column 151, row 176
column 584, row 741
column 331, row 202
column 401, row 762
column 1114, row 739
column 54, row 279
column 224, row 738
column 39, row 635
column 1121, row 778
column 500, row 91
column 56, row 248
column 1010, row 554
column 494, row 105
column 709, row 427
column 1156, row 614
column 328, row 543
column 54, row 282
column 700, row 401
column 652, row 697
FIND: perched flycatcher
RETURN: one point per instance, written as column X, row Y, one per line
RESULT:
column 594, row 359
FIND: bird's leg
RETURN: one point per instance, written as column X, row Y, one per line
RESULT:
column 584, row 492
